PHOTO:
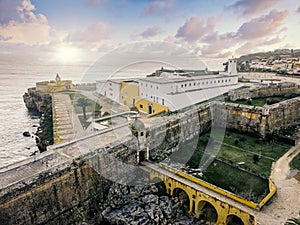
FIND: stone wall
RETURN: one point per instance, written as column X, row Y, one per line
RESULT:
column 270, row 119
column 256, row 92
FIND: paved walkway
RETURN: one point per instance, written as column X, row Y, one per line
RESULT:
column 62, row 118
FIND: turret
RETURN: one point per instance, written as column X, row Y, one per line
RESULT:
column 231, row 69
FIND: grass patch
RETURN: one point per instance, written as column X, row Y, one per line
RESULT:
column 295, row 163
column 255, row 102
column 92, row 108
column 249, row 179
column 252, row 188
column 83, row 122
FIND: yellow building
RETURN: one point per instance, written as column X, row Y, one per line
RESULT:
column 129, row 92
column 150, row 107
column 54, row 85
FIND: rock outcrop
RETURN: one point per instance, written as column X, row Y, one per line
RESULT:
column 41, row 103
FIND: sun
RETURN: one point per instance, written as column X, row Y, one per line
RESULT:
column 67, row 54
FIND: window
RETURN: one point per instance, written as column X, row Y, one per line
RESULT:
column 215, row 81
column 210, row 82
column 229, row 80
column 218, row 81
column 142, row 94
column 141, row 106
column 142, row 133
column 141, row 84
column 226, row 81
column 156, row 87
column 194, row 84
column 202, row 82
column 222, row 81
column 151, row 86
column 146, row 85
column 190, row 84
column 182, row 85
column 206, row 82
column 185, row 85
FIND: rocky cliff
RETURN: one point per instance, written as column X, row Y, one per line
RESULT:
column 41, row 103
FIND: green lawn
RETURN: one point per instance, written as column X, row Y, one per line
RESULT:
column 295, row 163
column 78, row 109
column 225, row 171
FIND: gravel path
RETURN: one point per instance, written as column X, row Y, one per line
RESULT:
column 286, row 204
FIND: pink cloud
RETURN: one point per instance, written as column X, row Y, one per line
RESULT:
column 195, row 28
column 262, row 26
column 93, row 33
column 31, row 29
column 251, row 7
column 151, row 31
column 157, row 7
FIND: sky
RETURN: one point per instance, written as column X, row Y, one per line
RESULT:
column 69, row 30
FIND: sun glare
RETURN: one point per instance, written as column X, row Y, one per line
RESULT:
column 67, row 54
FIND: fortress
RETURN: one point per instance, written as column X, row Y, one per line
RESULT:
column 76, row 177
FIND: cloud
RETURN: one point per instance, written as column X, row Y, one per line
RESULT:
column 255, row 46
column 94, row 33
column 29, row 28
column 151, row 31
column 298, row 10
column 195, row 28
column 2, row 38
column 157, row 7
column 262, row 26
column 251, row 7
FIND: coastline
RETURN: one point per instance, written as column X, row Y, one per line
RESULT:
column 41, row 103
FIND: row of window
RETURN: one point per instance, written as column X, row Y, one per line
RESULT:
column 151, row 86
column 205, row 82
column 195, row 83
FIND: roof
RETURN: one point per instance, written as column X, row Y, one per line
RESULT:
column 165, row 80
column 137, row 125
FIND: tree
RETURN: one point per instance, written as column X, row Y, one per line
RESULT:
column 97, row 110
column 293, row 221
column 83, row 102
column 255, row 158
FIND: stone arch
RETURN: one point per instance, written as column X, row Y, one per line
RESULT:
column 183, row 197
column 160, row 185
column 207, row 212
column 234, row 220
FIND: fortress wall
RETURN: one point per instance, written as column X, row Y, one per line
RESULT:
column 275, row 90
column 79, row 188
column 56, row 199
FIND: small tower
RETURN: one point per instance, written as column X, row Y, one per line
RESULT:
column 57, row 78
column 232, row 63
column 138, row 130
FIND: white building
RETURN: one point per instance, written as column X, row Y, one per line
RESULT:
column 177, row 91
column 109, row 89
column 174, row 89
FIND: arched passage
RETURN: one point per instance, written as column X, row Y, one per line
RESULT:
column 234, row 220
column 160, row 185
column 183, row 198
column 207, row 212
